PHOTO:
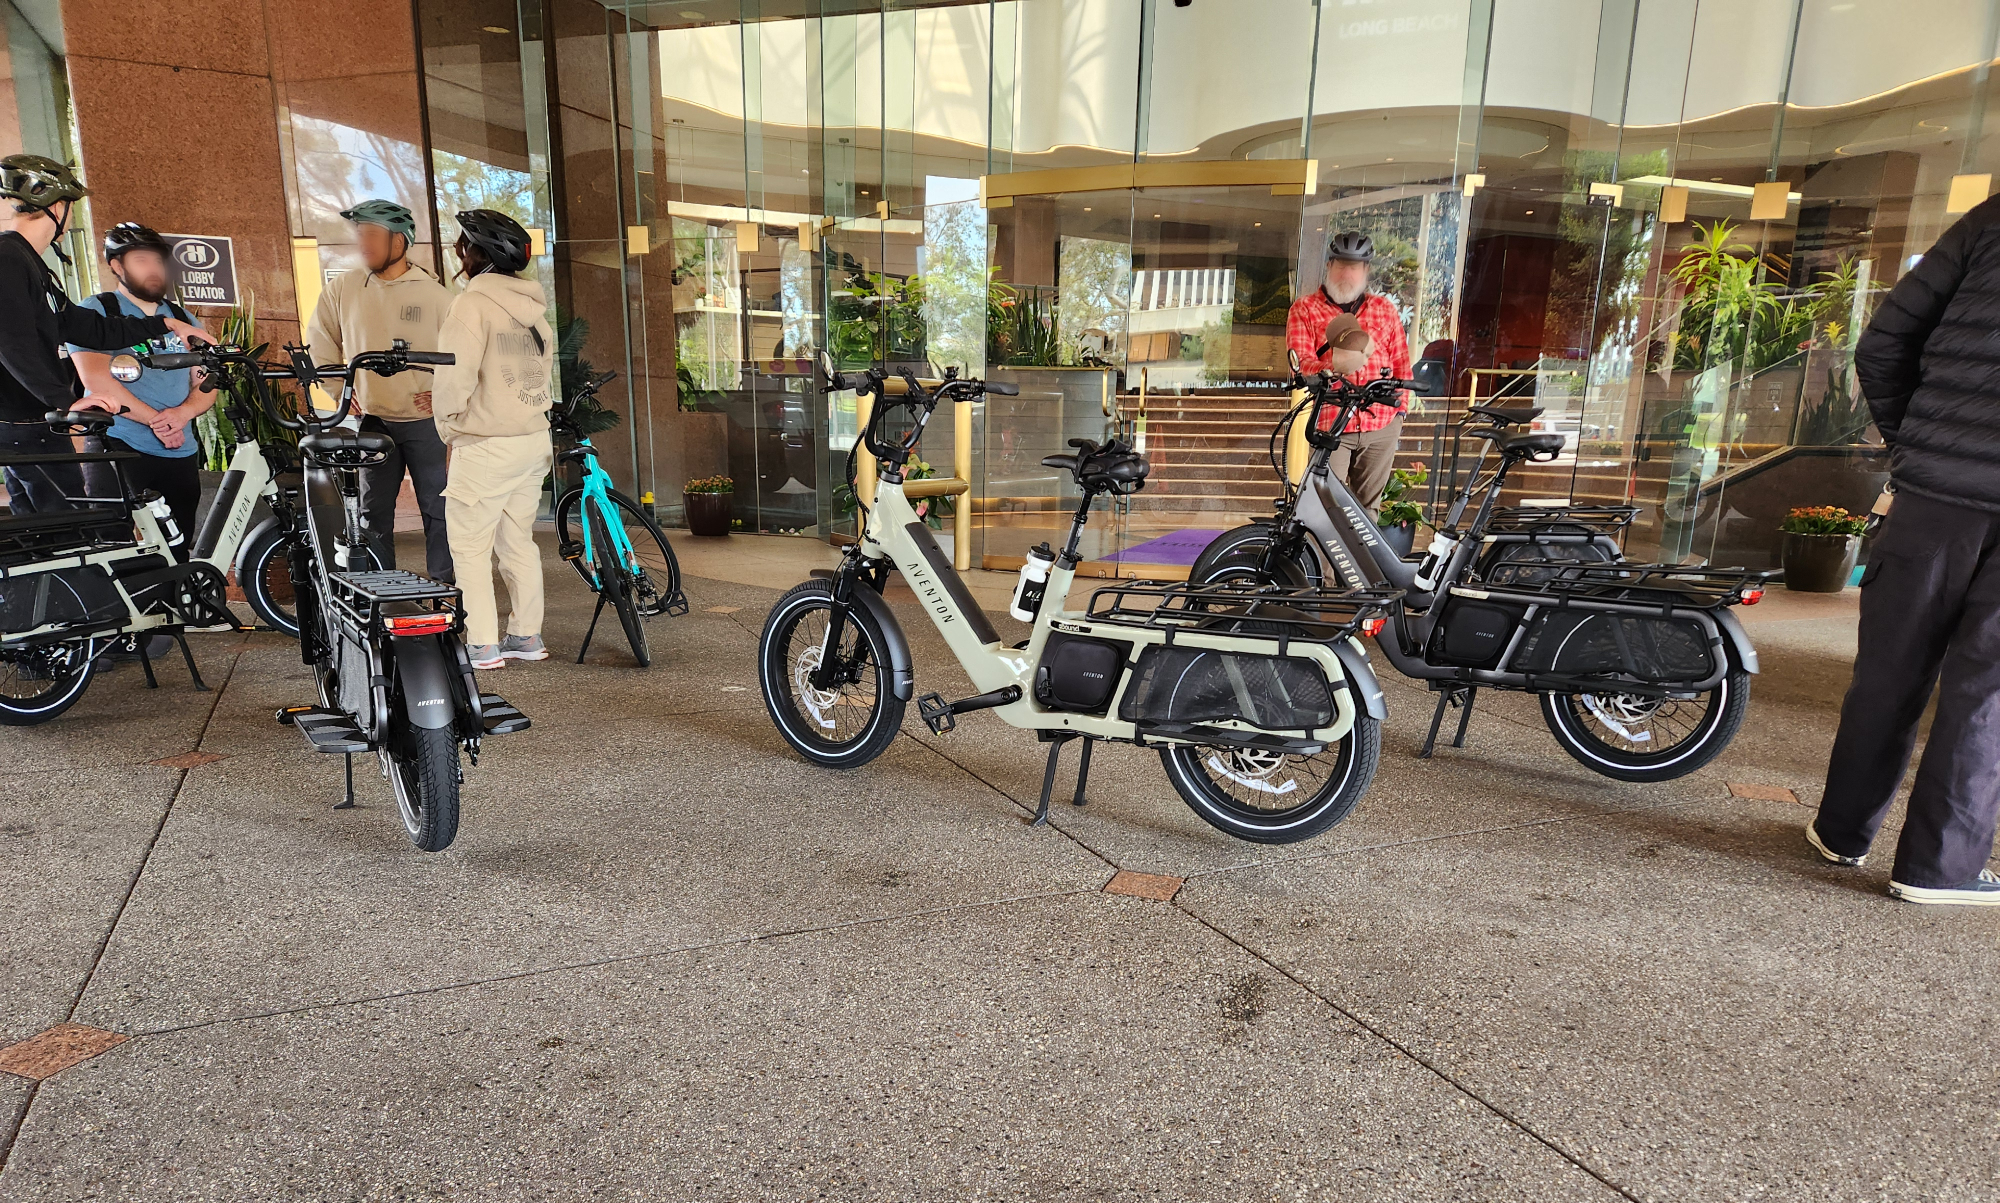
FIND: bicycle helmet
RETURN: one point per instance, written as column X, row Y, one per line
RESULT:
column 1352, row 246
column 499, row 237
column 385, row 213
column 131, row 236
column 34, row 182
column 1347, row 347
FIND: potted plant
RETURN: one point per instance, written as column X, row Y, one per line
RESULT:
column 1819, row 546
column 708, row 503
column 1399, row 518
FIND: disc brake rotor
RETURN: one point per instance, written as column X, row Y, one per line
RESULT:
column 1621, row 712
column 816, row 701
column 1253, row 770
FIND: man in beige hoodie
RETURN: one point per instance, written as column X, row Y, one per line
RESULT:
column 492, row 408
column 365, row 311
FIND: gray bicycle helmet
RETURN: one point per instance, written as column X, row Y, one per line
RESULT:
column 131, row 236
column 1352, row 246
column 385, row 213
column 499, row 237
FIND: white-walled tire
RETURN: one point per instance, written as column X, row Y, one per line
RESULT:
column 856, row 718
column 1594, row 730
column 1226, row 786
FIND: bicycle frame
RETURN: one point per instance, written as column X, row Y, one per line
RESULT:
column 596, row 489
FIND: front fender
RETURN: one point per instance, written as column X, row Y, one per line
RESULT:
column 423, row 678
column 902, row 668
column 1361, row 678
column 262, row 531
column 1739, row 639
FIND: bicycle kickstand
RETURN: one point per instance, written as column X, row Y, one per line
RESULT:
column 1056, row 743
column 594, row 615
column 200, row 685
column 1460, row 697
column 348, row 802
column 139, row 642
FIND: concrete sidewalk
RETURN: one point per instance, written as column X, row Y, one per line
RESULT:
column 668, row 959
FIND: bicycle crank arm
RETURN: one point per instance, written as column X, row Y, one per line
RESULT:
column 942, row 716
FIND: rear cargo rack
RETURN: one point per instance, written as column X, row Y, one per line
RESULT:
column 1239, row 608
column 1669, row 586
column 368, row 596
column 1550, row 519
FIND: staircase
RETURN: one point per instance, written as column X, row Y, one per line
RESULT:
column 1209, row 453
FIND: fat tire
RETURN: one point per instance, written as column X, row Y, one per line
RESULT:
column 1361, row 754
column 1718, row 728
column 1234, row 554
column 429, row 769
column 774, row 678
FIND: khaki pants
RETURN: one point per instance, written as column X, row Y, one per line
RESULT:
column 1363, row 461
column 490, row 497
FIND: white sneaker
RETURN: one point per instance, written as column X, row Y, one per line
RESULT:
column 1812, row 837
column 1983, row 890
column 524, row 647
column 486, row 656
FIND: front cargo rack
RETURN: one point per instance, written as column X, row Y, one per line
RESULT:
column 1240, row 608
column 1670, row 586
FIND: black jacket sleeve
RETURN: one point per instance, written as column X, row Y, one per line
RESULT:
column 86, row 327
column 1888, row 359
column 24, row 349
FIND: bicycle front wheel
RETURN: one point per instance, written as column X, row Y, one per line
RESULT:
column 655, row 570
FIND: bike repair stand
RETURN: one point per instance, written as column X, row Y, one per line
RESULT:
column 1056, row 740
column 1461, row 696
column 593, row 628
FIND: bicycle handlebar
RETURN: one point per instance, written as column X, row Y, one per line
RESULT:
column 215, row 359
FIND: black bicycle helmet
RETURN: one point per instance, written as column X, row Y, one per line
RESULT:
column 1351, row 246
column 499, row 237
column 131, row 236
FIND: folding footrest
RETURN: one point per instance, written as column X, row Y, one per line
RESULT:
column 326, row 730
column 501, row 717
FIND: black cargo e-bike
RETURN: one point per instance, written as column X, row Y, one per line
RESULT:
column 386, row 646
column 1643, row 672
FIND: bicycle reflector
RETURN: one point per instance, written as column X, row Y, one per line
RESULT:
column 1753, row 595
column 418, row 624
column 1373, row 625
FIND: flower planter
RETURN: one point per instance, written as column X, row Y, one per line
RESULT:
column 1400, row 538
column 1818, row 563
column 708, row 513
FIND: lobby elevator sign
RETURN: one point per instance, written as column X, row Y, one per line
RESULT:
column 204, row 269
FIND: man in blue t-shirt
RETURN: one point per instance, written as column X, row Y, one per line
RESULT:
column 160, row 406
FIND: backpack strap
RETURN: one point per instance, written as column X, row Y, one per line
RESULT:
column 180, row 315
column 108, row 302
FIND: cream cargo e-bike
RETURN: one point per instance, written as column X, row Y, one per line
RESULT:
column 1259, row 699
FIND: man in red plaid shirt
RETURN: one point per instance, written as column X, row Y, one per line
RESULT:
column 1368, row 451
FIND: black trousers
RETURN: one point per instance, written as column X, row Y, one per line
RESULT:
column 39, row 488
column 1930, row 615
column 177, row 480
column 421, row 452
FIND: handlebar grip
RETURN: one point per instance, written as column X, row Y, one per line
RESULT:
column 1003, row 390
column 173, row 359
column 210, row 383
column 1409, row 384
column 441, row 358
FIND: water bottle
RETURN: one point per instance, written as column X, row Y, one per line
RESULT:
column 162, row 514
column 1435, row 560
column 1032, row 583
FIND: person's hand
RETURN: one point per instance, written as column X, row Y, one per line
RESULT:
column 170, row 427
column 422, row 401
column 190, row 332
column 97, row 401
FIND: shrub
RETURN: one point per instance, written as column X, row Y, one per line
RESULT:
column 710, row 484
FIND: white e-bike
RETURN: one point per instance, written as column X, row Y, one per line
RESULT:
column 1259, row 699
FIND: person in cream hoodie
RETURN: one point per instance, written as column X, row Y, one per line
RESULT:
column 491, row 409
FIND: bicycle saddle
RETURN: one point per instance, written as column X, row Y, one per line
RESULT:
column 1530, row 443
column 344, row 448
column 1506, row 416
column 1112, row 468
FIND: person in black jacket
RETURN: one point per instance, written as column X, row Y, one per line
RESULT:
column 1929, row 365
column 36, row 319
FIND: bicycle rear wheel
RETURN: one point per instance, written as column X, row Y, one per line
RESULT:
column 38, row 683
column 423, row 768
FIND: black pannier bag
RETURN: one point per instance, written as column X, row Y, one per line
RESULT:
column 66, row 597
column 1647, row 647
column 1178, row 685
column 1532, row 562
column 1079, row 674
column 1473, row 634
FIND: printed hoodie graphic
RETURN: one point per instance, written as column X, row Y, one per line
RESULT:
column 500, row 385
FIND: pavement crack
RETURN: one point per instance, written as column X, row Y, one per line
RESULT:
column 1382, row 1035
column 1072, row 837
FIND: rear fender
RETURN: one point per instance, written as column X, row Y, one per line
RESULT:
column 424, row 676
column 1738, row 639
column 1361, row 679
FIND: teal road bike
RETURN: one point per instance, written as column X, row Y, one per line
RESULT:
column 613, row 544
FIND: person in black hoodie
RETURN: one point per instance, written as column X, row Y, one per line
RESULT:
column 1929, row 365
column 36, row 319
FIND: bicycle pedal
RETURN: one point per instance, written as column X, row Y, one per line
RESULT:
column 937, row 713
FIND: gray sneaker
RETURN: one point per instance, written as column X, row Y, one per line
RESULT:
column 486, row 655
column 524, row 647
column 1983, row 890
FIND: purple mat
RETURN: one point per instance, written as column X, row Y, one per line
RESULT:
column 1183, row 547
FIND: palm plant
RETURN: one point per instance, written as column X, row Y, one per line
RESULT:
column 575, row 371
column 216, row 430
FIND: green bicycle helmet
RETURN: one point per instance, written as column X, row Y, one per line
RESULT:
column 385, row 213
column 34, row 182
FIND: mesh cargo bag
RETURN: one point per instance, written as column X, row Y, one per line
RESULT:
column 66, row 597
column 1190, row 685
column 1532, row 563
column 1647, row 647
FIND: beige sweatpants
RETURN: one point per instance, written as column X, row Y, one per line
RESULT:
column 490, row 497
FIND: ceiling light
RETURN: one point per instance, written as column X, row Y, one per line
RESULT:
column 1529, row 213
column 1256, row 223
column 496, row 29
column 1086, row 208
column 1156, row 215
column 1714, row 186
